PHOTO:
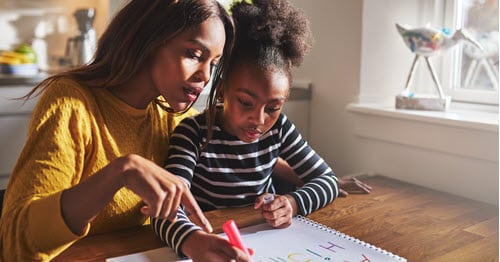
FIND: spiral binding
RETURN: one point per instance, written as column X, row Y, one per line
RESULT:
column 347, row 237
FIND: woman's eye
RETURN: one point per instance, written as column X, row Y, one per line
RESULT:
column 193, row 54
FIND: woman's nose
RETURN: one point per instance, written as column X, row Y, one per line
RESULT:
column 204, row 73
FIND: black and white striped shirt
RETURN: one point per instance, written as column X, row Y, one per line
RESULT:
column 229, row 172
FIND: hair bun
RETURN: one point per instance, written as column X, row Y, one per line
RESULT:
column 273, row 23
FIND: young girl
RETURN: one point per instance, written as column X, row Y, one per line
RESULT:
column 227, row 155
column 100, row 132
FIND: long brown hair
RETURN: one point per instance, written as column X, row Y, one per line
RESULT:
column 135, row 33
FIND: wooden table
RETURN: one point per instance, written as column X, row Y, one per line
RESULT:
column 411, row 221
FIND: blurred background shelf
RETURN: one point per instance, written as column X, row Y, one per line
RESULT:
column 19, row 80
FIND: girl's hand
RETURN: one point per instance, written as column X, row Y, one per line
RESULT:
column 279, row 212
column 203, row 247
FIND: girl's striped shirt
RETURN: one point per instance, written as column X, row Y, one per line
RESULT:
column 231, row 173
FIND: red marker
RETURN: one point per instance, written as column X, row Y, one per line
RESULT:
column 233, row 233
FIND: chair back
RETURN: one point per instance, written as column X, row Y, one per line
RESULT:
column 2, row 192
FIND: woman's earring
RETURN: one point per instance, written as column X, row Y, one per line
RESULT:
column 220, row 96
column 220, row 99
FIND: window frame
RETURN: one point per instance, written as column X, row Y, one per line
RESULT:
column 450, row 64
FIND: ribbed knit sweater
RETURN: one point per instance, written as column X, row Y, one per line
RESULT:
column 74, row 132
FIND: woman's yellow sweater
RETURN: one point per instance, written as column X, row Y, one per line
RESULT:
column 74, row 132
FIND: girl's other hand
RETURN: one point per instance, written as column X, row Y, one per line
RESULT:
column 279, row 212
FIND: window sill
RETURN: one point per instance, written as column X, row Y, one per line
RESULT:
column 477, row 117
column 463, row 130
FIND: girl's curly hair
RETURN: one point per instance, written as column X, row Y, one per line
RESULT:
column 270, row 33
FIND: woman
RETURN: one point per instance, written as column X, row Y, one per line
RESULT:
column 98, row 132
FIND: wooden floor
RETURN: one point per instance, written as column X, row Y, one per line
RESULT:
column 417, row 223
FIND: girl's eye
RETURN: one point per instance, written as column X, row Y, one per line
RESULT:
column 244, row 103
column 273, row 109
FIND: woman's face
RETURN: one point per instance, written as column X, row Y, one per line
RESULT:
column 183, row 66
column 253, row 100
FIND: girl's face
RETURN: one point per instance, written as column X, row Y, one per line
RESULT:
column 183, row 66
column 253, row 100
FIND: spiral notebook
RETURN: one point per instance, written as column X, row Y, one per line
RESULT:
column 304, row 240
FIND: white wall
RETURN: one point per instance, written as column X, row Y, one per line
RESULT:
column 456, row 151
column 333, row 66
column 358, row 55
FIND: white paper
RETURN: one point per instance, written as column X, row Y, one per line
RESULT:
column 164, row 254
column 304, row 240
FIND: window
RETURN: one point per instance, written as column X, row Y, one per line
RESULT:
column 470, row 74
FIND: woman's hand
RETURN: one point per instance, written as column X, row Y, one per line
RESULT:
column 279, row 212
column 204, row 247
column 161, row 191
column 352, row 185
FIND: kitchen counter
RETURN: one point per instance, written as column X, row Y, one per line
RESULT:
column 15, row 80
column 15, row 116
